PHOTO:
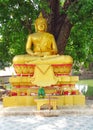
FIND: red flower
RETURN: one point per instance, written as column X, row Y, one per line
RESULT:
column 73, row 93
column 65, row 92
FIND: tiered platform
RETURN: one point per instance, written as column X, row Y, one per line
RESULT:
column 56, row 81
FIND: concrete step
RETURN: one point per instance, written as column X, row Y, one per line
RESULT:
column 64, row 110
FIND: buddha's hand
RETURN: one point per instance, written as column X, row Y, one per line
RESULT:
column 46, row 53
column 41, row 54
column 49, row 53
column 37, row 54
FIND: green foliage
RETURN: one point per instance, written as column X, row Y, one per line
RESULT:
column 80, row 43
column 16, row 22
column 17, row 19
column 81, row 11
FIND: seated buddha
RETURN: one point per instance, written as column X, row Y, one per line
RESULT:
column 41, row 47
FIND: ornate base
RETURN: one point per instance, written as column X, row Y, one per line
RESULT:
column 54, row 78
column 28, row 69
column 27, row 81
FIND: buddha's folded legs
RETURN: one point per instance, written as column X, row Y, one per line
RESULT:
column 59, row 59
column 22, row 59
column 53, row 59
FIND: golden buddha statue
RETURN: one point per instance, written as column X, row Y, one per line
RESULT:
column 42, row 71
column 41, row 47
column 42, row 61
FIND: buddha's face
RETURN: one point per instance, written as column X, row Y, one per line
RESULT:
column 41, row 25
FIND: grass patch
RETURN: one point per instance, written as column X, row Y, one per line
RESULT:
column 90, row 86
column 89, row 82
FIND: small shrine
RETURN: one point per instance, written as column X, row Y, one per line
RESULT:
column 42, row 75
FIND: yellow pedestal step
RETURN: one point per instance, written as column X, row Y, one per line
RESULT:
column 30, row 100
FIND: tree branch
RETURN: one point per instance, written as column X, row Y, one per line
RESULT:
column 27, row 25
column 68, row 3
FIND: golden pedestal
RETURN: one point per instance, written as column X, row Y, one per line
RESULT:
column 19, row 101
column 62, row 100
column 54, row 78
column 79, row 100
column 10, row 101
column 68, row 100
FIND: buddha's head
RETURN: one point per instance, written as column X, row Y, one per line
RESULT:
column 41, row 23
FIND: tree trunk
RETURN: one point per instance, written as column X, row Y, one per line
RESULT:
column 63, row 35
column 59, row 24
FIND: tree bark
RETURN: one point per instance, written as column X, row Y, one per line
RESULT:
column 63, row 35
column 59, row 24
column 54, row 16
